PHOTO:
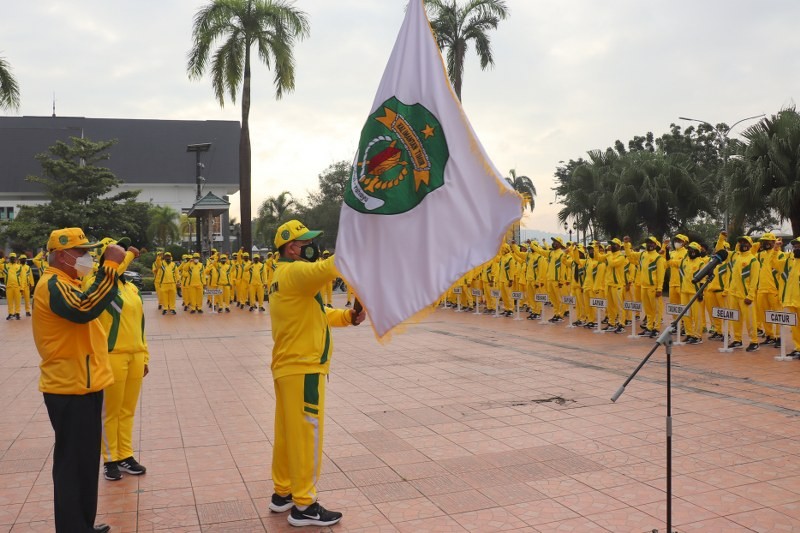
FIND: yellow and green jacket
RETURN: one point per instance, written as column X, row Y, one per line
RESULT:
column 69, row 337
column 300, row 322
column 123, row 322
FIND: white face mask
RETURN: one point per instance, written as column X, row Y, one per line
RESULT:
column 678, row 245
column 83, row 264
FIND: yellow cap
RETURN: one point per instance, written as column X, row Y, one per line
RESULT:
column 616, row 241
column 746, row 239
column 64, row 239
column 558, row 240
column 294, row 230
column 695, row 246
column 682, row 237
column 768, row 237
column 107, row 241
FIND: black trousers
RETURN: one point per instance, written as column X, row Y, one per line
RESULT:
column 78, row 424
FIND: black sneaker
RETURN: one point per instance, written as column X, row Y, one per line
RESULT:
column 172, row 312
column 164, row 312
column 619, row 329
column 645, row 333
column 27, row 313
column 111, row 471
column 735, row 344
column 777, row 343
column 130, row 466
column 314, row 515
column 768, row 340
column 280, row 504
column 752, row 347
column 691, row 340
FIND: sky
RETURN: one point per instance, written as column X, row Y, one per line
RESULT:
column 570, row 76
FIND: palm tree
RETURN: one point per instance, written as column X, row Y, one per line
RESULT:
column 9, row 90
column 272, row 27
column 773, row 152
column 163, row 229
column 524, row 186
column 187, row 226
column 273, row 212
column 456, row 25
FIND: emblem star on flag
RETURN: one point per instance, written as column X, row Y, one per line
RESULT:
column 424, row 204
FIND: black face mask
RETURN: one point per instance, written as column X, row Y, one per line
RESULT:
column 796, row 253
column 693, row 254
column 23, row 261
column 310, row 252
column 168, row 260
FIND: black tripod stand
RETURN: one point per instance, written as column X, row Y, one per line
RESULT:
column 665, row 340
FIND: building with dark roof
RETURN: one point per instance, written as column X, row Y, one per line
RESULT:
column 150, row 156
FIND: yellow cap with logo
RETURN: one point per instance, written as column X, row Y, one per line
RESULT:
column 64, row 239
column 294, row 230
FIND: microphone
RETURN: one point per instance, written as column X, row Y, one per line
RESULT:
column 716, row 259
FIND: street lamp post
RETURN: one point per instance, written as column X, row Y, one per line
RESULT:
column 199, row 179
column 723, row 139
column 567, row 228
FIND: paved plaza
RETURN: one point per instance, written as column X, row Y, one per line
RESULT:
column 460, row 423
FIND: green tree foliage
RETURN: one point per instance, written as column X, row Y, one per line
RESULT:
column 772, row 154
column 9, row 89
column 322, row 208
column 524, row 186
column 80, row 195
column 163, row 228
column 273, row 212
column 456, row 23
column 272, row 27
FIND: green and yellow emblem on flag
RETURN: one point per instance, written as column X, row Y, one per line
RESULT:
column 401, row 158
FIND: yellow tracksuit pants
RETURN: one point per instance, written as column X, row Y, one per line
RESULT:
column 256, row 295
column 327, row 294
column 119, row 405
column 14, row 297
column 714, row 299
column 505, row 294
column 168, row 294
column 554, row 293
column 653, row 308
column 299, row 423
column 26, row 296
column 195, row 297
column 225, row 300
column 747, row 313
column 768, row 302
column 795, row 329
column 692, row 323
column 615, row 308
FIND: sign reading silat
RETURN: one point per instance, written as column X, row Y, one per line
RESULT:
column 724, row 313
column 632, row 306
column 779, row 317
column 599, row 303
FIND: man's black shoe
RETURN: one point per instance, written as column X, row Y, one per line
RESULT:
column 172, row 312
column 735, row 344
column 752, row 347
column 314, row 515
column 102, row 528
column 768, row 340
column 777, row 343
column 164, row 312
column 27, row 313
column 280, row 504
column 131, row 466
column 111, row 471
column 653, row 333
column 645, row 333
column 619, row 329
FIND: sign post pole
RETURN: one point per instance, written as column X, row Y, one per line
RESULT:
column 457, row 292
column 543, row 299
column 476, row 293
column 517, row 297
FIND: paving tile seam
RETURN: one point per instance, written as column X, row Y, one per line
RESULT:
column 580, row 364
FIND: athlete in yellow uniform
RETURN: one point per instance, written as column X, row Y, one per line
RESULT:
column 745, row 271
column 168, row 277
column 300, row 362
column 13, row 286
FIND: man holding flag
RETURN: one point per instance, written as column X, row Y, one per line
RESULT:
column 421, row 182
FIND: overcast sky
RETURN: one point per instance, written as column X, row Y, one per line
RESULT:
column 569, row 76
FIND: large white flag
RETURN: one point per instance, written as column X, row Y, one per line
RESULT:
column 424, row 204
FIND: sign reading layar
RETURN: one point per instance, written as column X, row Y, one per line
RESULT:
column 424, row 204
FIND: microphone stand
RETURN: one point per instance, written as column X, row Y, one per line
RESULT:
column 665, row 340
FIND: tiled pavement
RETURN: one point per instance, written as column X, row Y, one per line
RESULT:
column 462, row 423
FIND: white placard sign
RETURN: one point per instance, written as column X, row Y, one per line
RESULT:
column 456, row 290
column 676, row 309
column 781, row 318
column 518, row 295
column 495, row 293
column 724, row 313
column 632, row 306
column 212, row 292
column 568, row 300
column 476, row 292
column 541, row 298
column 599, row 303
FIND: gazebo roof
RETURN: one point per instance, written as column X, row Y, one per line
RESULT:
column 210, row 204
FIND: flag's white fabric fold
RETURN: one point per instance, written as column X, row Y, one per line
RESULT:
column 425, row 204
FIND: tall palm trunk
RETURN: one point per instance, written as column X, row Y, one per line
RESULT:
column 244, row 159
column 458, row 67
